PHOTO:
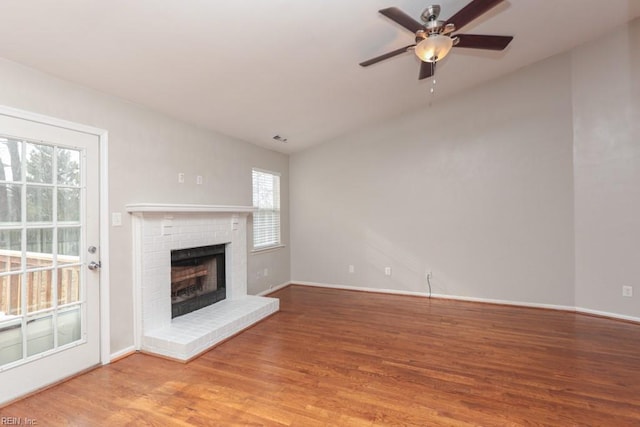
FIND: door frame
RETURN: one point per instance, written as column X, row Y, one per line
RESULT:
column 103, row 141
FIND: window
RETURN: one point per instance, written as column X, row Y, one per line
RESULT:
column 266, row 220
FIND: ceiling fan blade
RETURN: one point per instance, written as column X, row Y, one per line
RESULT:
column 476, row 41
column 386, row 56
column 402, row 18
column 472, row 11
column 427, row 69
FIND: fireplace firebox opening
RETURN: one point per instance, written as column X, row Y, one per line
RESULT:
column 197, row 278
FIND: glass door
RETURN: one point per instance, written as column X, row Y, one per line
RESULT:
column 48, row 300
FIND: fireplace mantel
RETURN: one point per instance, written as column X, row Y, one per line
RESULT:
column 138, row 208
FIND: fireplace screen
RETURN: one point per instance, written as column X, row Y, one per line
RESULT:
column 197, row 278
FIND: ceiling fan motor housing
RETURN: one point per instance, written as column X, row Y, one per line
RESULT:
column 434, row 27
column 431, row 23
column 431, row 13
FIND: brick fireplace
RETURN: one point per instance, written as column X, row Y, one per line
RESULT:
column 159, row 229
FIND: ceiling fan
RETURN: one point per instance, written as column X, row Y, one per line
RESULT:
column 434, row 38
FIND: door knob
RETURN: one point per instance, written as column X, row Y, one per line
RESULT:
column 94, row 265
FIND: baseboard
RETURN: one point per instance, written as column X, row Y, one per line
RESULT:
column 359, row 288
column 607, row 314
column 122, row 354
column 472, row 299
column 505, row 302
column 273, row 289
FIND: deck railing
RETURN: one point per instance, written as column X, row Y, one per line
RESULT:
column 39, row 283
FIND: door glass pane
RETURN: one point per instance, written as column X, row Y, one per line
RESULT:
column 39, row 247
column 10, row 296
column 39, row 163
column 10, row 204
column 39, row 335
column 10, row 159
column 68, row 167
column 39, row 290
column 39, row 204
column 10, row 343
column 69, row 325
column 69, row 204
column 69, row 245
column 68, row 285
column 10, row 250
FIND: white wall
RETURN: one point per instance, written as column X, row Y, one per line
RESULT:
column 606, row 100
column 525, row 190
column 478, row 189
column 146, row 151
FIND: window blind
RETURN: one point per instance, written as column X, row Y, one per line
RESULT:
column 266, row 220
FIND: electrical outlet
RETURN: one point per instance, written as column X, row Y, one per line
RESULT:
column 428, row 275
column 265, row 273
column 387, row 271
column 181, row 178
column 627, row 291
column 352, row 269
column 199, row 180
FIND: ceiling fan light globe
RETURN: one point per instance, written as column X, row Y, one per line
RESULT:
column 434, row 48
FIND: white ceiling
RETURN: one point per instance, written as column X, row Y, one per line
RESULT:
column 252, row 69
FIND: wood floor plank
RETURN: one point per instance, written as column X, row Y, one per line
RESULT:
column 344, row 358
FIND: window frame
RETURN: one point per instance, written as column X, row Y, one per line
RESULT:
column 276, row 225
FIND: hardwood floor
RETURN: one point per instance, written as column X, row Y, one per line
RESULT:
column 332, row 357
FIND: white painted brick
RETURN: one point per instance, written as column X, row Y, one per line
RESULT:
column 187, row 335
